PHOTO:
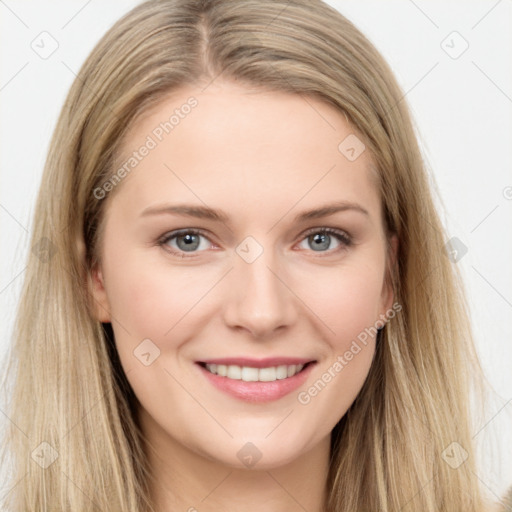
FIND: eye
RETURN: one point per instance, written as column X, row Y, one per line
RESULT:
column 189, row 240
column 320, row 239
column 183, row 241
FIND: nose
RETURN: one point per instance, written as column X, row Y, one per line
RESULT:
column 260, row 300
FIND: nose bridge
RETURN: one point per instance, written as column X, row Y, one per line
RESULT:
column 260, row 301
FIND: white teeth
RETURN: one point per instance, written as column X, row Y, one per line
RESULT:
column 249, row 374
column 233, row 372
column 282, row 372
column 267, row 374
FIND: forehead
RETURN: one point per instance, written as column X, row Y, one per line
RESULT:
column 244, row 146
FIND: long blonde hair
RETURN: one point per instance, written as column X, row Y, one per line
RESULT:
column 391, row 450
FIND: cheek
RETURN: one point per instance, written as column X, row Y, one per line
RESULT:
column 349, row 307
column 347, row 300
column 150, row 300
column 158, row 303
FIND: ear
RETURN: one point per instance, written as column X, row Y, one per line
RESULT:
column 387, row 296
column 100, row 305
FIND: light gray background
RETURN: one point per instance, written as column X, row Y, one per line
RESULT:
column 461, row 102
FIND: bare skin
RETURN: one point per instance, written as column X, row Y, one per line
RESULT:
column 262, row 158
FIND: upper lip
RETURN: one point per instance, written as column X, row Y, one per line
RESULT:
column 257, row 363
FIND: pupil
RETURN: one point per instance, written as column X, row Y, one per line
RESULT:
column 189, row 241
column 321, row 240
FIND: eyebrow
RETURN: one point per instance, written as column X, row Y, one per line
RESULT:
column 205, row 212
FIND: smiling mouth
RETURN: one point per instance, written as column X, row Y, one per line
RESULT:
column 251, row 374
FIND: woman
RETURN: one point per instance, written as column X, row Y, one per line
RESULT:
column 306, row 346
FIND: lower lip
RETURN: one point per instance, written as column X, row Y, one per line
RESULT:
column 258, row 391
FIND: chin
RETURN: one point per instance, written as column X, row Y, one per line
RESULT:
column 257, row 455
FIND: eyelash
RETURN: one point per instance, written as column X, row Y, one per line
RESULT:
column 344, row 238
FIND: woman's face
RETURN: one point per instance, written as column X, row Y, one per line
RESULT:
column 213, row 251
